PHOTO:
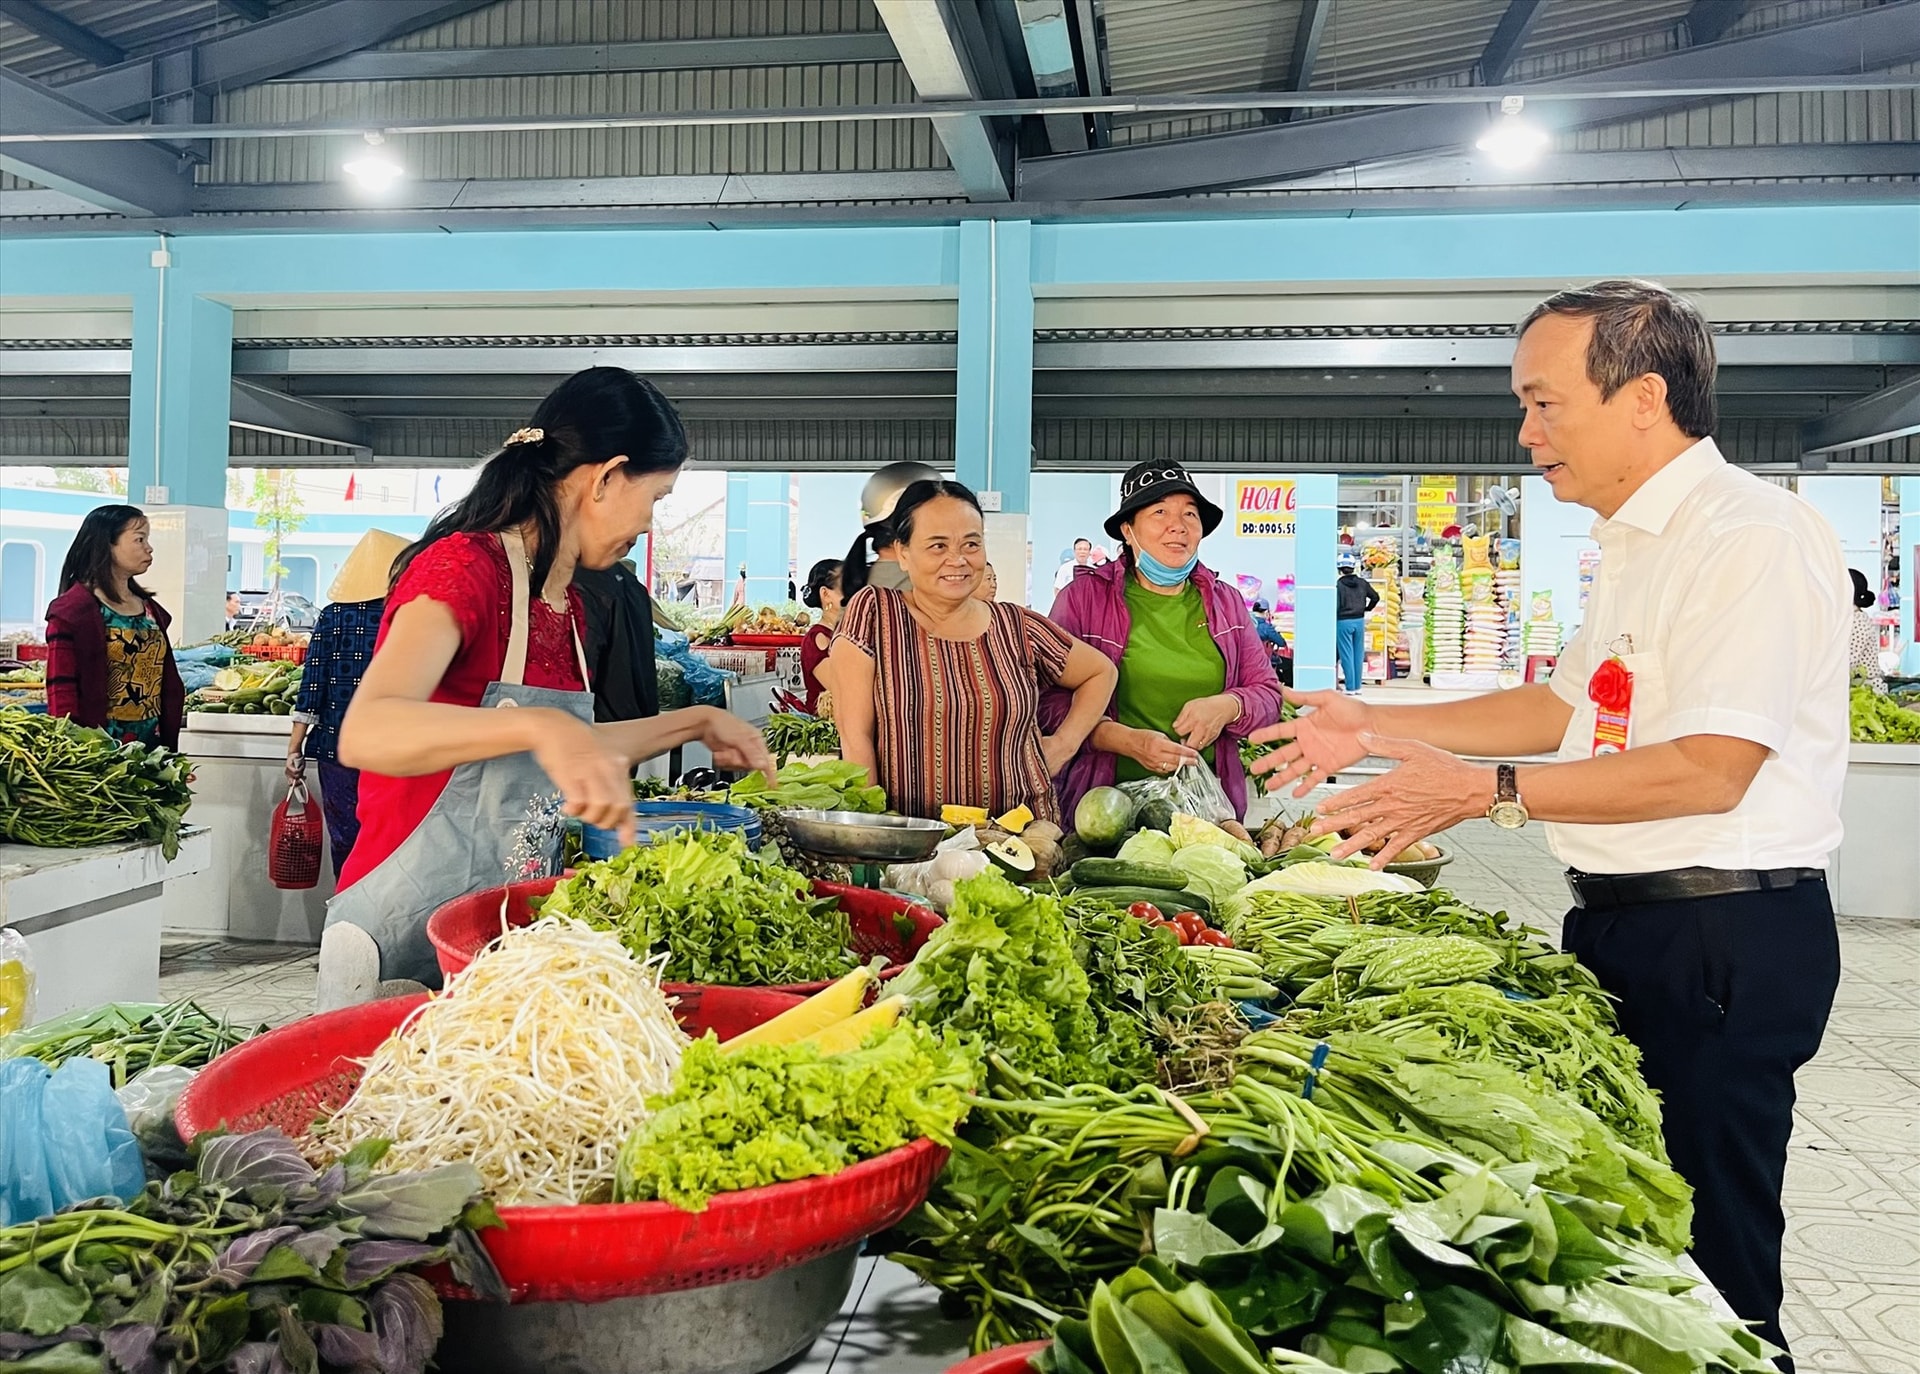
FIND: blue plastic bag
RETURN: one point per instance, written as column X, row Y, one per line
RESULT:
column 199, row 664
column 707, row 683
column 63, row 1139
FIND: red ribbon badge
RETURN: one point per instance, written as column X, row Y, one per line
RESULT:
column 1611, row 690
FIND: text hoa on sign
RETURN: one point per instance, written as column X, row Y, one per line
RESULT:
column 1263, row 508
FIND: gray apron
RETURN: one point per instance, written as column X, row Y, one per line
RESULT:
column 497, row 821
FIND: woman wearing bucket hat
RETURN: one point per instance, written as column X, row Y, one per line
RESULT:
column 341, row 648
column 1193, row 672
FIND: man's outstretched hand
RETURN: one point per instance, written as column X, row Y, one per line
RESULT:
column 1428, row 792
column 1317, row 744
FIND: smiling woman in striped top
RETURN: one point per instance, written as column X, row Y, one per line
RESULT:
column 939, row 693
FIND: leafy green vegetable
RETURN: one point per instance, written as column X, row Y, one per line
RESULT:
column 1214, row 873
column 252, row 1261
column 1003, row 968
column 773, row 1113
column 130, row 1038
column 719, row 913
column 788, row 735
column 1191, row 830
column 1879, row 719
column 1138, row 980
column 1147, row 847
column 69, row 786
column 832, row 785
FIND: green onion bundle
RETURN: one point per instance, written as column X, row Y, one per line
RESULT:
column 66, row 786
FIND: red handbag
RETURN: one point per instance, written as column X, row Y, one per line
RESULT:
column 293, row 841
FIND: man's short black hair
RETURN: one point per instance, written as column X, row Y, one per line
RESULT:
column 1641, row 327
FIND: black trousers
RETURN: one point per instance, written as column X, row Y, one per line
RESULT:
column 1726, row 997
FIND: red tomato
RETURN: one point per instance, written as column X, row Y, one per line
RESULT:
column 1219, row 939
column 1191, row 925
column 1145, row 911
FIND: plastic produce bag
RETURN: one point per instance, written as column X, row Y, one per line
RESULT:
column 199, row 664
column 958, row 858
column 63, row 1139
column 148, row 1100
column 1192, row 788
column 16, row 982
column 706, row 683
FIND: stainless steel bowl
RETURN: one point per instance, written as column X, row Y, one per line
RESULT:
column 857, row 835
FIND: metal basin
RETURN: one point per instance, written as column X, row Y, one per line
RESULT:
column 856, row 835
column 727, row 1328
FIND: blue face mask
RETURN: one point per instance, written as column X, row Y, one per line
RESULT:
column 1159, row 573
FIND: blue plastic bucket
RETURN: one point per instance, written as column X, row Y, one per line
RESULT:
column 658, row 818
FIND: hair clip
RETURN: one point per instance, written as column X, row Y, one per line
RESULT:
column 529, row 435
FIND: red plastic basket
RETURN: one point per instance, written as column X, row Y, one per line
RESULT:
column 32, row 653
column 293, row 1075
column 1008, row 1359
column 294, row 840
column 881, row 924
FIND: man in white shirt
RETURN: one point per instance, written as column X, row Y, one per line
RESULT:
column 1700, row 720
column 1082, row 557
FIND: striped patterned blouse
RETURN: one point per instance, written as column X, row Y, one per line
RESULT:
column 957, row 722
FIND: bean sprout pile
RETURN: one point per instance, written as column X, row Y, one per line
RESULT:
column 534, row 1066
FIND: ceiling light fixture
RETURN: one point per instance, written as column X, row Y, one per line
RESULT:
column 1511, row 141
column 376, row 168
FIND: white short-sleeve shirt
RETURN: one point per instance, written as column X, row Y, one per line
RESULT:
column 1728, row 599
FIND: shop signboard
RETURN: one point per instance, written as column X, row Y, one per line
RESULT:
column 1436, row 506
column 1263, row 508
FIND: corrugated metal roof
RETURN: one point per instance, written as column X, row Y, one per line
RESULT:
column 138, row 26
column 857, row 146
column 519, row 23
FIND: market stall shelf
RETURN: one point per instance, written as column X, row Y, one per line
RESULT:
column 1876, row 871
column 92, row 917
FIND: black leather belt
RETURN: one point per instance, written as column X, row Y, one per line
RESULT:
column 1603, row 891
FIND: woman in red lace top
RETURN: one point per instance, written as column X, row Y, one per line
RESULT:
column 454, row 794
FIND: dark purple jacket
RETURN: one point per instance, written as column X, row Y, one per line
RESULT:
column 1093, row 607
column 77, row 664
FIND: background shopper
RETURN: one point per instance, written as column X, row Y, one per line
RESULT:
column 877, row 500
column 822, row 593
column 938, row 692
column 617, row 635
column 109, row 664
column 337, row 657
column 1354, row 596
column 1700, row 716
column 1193, row 673
column 1863, row 652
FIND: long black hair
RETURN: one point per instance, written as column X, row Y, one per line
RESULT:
column 1863, row 597
column 592, row 417
column 90, row 556
column 825, row 573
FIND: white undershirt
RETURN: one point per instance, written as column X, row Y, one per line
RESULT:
column 1728, row 600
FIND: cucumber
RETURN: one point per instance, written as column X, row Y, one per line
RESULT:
column 1127, row 873
column 1171, row 901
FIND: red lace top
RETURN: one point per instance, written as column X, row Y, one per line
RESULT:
column 468, row 574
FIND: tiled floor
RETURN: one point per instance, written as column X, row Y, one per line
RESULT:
column 1853, row 1177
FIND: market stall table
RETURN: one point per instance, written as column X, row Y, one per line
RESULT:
column 1876, row 871
column 92, row 917
column 239, row 765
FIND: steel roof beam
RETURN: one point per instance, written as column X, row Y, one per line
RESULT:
column 1709, row 19
column 943, row 65
column 77, row 39
column 1509, row 37
column 580, row 59
column 1304, row 55
column 1049, row 42
column 139, row 179
column 1868, row 39
column 251, row 10
column 260, row 52
column 274, row 412
column 1887, row 414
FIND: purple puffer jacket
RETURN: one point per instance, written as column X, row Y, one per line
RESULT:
column 1093, row 607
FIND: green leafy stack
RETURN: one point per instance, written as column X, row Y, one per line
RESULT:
column 830, row 786
column 772, row 1113
column 1003, row 968
column 717, row 911
column 67, row 786
column 788, row 735
column 1880, row 719
column 253, row 1261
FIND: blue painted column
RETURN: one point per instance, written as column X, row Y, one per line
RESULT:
column 180, row 394
column 993, row 419
column 757, row 521
column 1316, row 545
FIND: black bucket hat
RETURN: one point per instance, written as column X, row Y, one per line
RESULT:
column 1146, row 483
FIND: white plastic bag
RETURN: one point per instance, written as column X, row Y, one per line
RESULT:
column 958, row 858
column 149, row 1098
column 1193, row 788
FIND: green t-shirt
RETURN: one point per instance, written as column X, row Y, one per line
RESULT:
column 1170, row 659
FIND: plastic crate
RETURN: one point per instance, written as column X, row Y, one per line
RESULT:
column 881, row 924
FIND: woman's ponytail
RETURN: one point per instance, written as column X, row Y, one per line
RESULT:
column 853, row 568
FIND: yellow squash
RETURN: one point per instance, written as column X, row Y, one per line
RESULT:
column 852, row 1033
column 820, row 1011
column 1015, row 820
column 963, row 815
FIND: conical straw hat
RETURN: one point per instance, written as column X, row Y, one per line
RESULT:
column 363, row 577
